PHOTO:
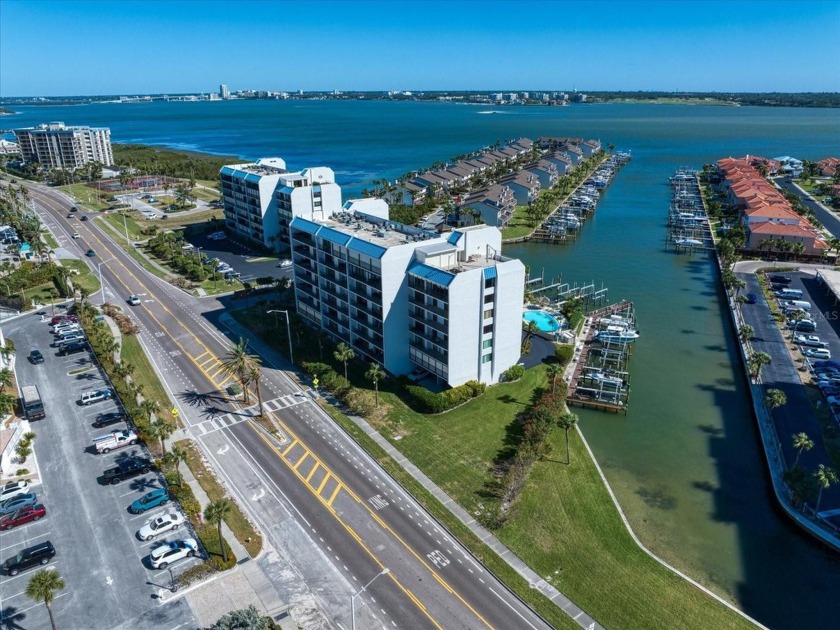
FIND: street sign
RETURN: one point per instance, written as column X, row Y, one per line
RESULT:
column 174, row 411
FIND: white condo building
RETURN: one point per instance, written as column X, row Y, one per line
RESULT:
column 260, row 199
column 408, row 298
column 55, row 145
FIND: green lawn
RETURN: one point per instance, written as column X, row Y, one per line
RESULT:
column 204, row 194
column 519, row 224
column 144, row 373
column 50, row 240
column 42, row 294
column 566, row 527
column 123, row 219
column 86, row 196
column 86, row 279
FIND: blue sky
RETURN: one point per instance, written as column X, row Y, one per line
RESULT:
column 80, row 48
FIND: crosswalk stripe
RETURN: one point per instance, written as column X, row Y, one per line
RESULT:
column 312, row 472
column 290, row 447
column 334, row 494
column 327, row 477
column 301, row 460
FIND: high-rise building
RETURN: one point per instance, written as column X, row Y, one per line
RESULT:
column 261, row 199
column 55, row 145
column 409, row 298
column 224, row 91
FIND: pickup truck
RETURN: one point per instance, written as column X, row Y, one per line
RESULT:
column 810, row 340
column 126, row 470
column 115, row 440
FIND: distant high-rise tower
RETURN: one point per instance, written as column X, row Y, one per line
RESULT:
column 224, row 91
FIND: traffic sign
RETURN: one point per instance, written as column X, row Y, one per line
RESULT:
column 174, row 411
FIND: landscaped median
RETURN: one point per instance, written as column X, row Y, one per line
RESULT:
column 565, row 527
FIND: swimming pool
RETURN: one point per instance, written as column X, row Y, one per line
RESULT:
column 546, row 322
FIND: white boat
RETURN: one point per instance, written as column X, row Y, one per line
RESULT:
column 605, row 379
column 689, row 242
column 617, row 336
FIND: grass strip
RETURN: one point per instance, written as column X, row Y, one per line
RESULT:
column 144, row 373
column 236, row 520
column 85, row 279
column 86, row 196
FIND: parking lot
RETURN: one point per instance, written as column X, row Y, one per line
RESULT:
column 104, row 564
column 236, row 255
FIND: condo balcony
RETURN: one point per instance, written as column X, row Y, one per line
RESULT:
column 368, row 308
column 431, row 308
column 429, row 351
column 420, row 321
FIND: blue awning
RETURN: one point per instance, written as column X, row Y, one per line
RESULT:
column 303, row 225
column 366, row 247
column 334, row 236
column 489, row 272
column 432, row 274
column 454, row 238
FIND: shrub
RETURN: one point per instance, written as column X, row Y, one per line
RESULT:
column 513, row 373
column 184, row 495
column 424, row 401
column 195, row 574
column 360, row 402
column 314, row 368
column 209, row 535
column 564, row 353
column 21, row 472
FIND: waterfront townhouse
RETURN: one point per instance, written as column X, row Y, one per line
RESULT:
column 408, row 298
column 495, row 204
column 261, row 198
column 525, row 186
column 828, row 166
column 562, row 161
column 812, row 242
column 574, row 152
column 555, row 143
column 55, row 145
column 546, row 171
column 406, row 193
column 432, row 178
column 790, row 166
column 590, row 147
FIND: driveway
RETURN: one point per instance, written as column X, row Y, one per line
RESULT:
column 829, row 219
column 241, row 258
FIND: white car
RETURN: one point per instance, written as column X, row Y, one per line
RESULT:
column 133, row 300
column 810, row 340
column 164, row 523
column 76, row 235
column 13, row 489
column 285, row 263
column 161, row 557
column 817, row 353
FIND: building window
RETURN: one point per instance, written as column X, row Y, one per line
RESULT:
column 487, row 358
column 487, row 343
column 488, row 329
column 489, row 282
column 488, row 313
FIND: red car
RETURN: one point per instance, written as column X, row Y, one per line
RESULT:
column 58, row 319
column 23, row 515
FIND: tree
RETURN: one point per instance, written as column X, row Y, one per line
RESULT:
column 801, row 442
column 254, row 375
column 161, row 429
column 244, row 619
column 745, row 333
column 554, row 370
column 375, row 374
column 174, row 457
column 757, row 361
column 42, row 587
column 239, row 364
column 216, row 512
column 826, row 477
column 149, row 407
column 5, row 379
column 775, row 398
column 344, row 353
column 567, row 422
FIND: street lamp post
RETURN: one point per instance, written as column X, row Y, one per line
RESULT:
column 288, row 330
column 102, row 284
column 384, row 571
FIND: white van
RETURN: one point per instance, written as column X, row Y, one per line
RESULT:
column 790, row 294
column 799, row 304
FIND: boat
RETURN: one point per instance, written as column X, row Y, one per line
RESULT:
column 689, row 242
column 622, row 335
column 606, row 379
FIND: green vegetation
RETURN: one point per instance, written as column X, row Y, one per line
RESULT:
column 170, row 162
column 126, row 219
column 519, row 225
column 235, row 518
column 144, row 372
column 50, row 239
column 85, row 280
column 87, row 196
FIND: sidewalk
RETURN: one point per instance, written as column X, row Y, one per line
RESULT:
column 535, row 581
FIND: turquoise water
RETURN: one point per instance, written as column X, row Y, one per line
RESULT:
column 685, row 462
column 546, row 322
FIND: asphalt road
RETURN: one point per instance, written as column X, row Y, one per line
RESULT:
column 350, row 510
column 97, row 552
column 830, row 221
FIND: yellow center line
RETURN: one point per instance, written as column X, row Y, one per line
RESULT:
column 312, row 472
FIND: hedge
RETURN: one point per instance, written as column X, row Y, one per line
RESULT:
column 424, row 401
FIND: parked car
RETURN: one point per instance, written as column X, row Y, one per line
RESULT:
column 817, row 353
column 168, row 522
column 41, row 553
column 73, row 347
column 805, row 325
column 106, row 419
column 64, row 327
column 810, row 340
column 96, row 395
column 57, row 319
column 126, row 470
column 13, row 489
column 73, row 337
column 113, row 441
column 161, row 557
column 153, row 499
column 9, row 506
column 133, row 300
column 833, row 363
column 779, row 278
column 35, row 357
column 22, row 516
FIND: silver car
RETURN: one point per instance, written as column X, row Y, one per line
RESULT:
column 15, row 503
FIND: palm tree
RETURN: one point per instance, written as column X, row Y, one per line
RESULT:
column 554, row 370
column 745, row 333
column 174, row 457
column 254, row 375
column 42, row 587
column 161, row 429
column 216, row 512
column 375, row 374
column 344, row 353
column 5, row 379
column 826, row 477
column 8, row 402
column 239, row 364
column 801, row 442
column 567, row 421
column 757, row 361
column 149, row 407
column 775, row 398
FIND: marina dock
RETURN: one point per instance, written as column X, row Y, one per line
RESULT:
column 688, row 227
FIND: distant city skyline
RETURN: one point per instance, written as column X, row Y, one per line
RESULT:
column 110, row 48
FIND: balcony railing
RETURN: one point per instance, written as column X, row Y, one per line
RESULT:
column 430, row 351
column 419, row 317
column 443, row 312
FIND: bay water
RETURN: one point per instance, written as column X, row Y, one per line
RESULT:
column 685, row 462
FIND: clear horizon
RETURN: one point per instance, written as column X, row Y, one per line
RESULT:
column 123, row 48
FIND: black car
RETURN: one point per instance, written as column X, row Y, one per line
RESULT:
column 780, row 278
column 38, row 554
column 36, row 357
column 74, row 209
column 72, row 348
column 126, row 470
column 752, row 298
column 84, row 217
column 106, row 419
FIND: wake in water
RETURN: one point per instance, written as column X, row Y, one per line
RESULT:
column 492, row 111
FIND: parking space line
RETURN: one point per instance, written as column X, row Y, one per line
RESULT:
column 25, row 542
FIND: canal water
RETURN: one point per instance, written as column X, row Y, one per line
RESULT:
column 686, row 462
